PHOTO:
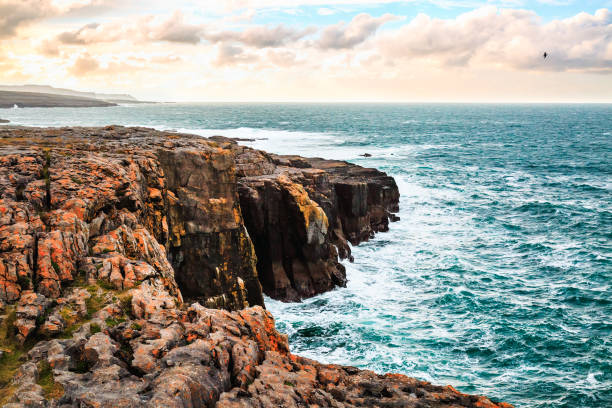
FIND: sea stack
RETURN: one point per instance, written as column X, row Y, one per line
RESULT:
column 131, row 272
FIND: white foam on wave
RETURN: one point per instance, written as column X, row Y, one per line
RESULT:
column 316, row 144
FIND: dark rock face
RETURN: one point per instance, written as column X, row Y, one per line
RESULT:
column 301, row 212
column 291, row 236
column 209, row 247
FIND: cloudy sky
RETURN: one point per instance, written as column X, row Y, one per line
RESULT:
column 313, row 50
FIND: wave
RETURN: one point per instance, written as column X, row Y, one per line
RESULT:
column 538, row 208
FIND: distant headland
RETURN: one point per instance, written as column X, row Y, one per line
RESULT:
column 44, row 96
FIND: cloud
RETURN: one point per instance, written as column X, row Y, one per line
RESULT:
column 79, row 36
column 324, row 11
column 17, row 13
column 342, row 35
column 175, row 29
column 488, row 50
column 260, row 36
column 145, row 29
column 229, row 54
column 84, row 65
column 504, row 38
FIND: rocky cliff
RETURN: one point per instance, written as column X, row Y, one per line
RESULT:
column 132, row 264
column 302, row 212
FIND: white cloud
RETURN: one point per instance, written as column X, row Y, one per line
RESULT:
column 506, row 38
column 325, row 11
column 17, row 13
column 342, row 35
column 148, row 28
column 260, row 36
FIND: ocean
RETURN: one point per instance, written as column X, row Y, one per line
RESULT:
column 497, row 280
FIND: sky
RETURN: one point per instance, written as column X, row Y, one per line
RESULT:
column 313, row 50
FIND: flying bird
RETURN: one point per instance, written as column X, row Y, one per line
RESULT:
column 545, row 55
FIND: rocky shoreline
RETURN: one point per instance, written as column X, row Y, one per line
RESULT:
column 133, row 265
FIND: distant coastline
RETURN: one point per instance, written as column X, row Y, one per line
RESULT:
column 44, row 96
column 42, row 100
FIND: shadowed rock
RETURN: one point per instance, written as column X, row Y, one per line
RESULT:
column 302, row 212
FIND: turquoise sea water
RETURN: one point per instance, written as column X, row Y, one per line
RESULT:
column 497, row 280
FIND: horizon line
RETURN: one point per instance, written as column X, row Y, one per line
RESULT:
column 539, row 102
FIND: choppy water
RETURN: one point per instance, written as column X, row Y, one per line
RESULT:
column 498, row 278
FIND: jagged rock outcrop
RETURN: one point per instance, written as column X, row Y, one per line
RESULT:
column 120, row 248
column 300, row 213
column 117, row 202
column 146, row 352
column 288, row 218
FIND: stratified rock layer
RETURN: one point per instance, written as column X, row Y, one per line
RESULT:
column 105, row 232
column 117, row 202
column 300, row 213
column 227, row 217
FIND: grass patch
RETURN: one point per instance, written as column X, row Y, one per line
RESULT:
column 95, row 301
column 125, row 303
column 94, row 328
column 106, row 285
column 55, row 266
column 82, row 367
column 12, row 356
column 112, row 322
column 289, row 384
column 51, row 389
column 15, row 354
column 68, row 315
column 136, row 326
column 76, row 180
column 80, row 280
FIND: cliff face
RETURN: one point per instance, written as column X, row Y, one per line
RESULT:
column 301, row 212
column 228, row 217
column 115, row 241
column 101, row 202
column 209, row 247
